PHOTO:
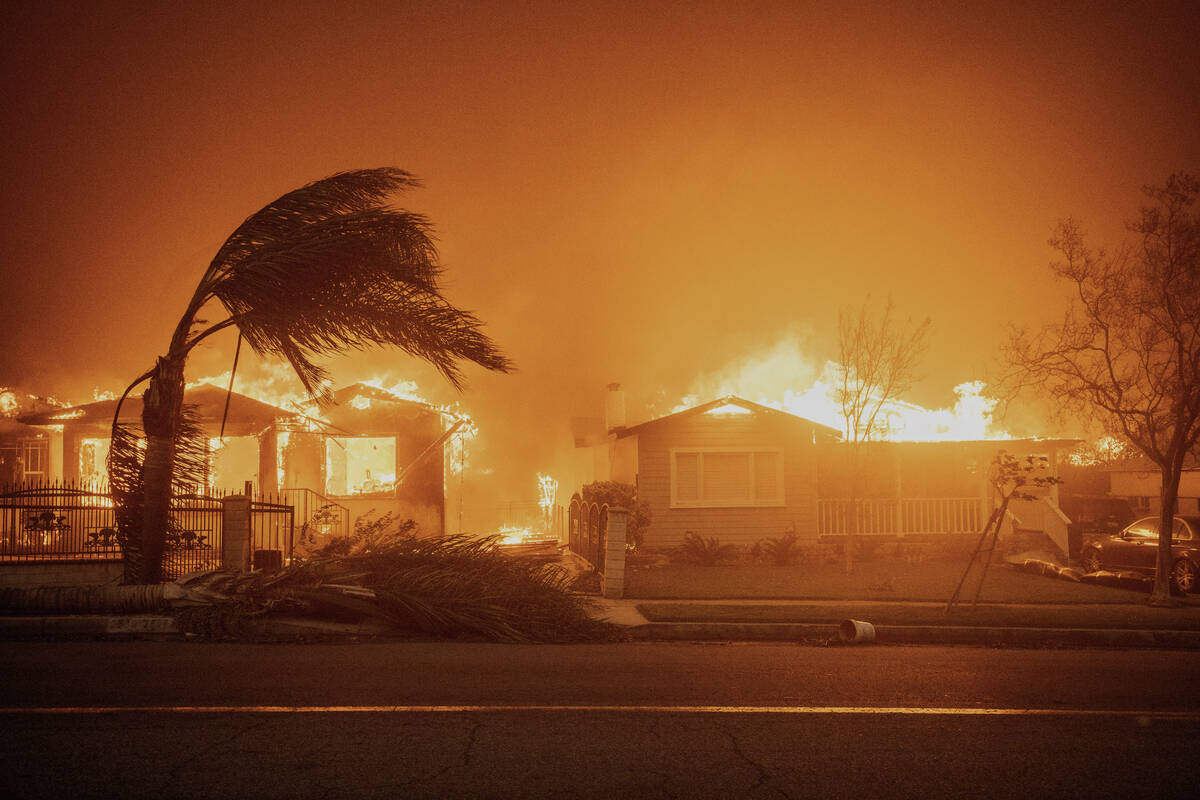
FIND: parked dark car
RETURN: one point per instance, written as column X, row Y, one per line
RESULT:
column 1093, row 517
column 1136, row 548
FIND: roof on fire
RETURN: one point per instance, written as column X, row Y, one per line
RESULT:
column 730, row 400
column 208, row 400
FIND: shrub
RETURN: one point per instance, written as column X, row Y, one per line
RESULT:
column 782, row 551
column 368, row 533
column 705, row 551
column 622, row 495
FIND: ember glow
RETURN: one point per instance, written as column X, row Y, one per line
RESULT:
column 514, row 534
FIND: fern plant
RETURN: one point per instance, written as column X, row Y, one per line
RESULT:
column 782, row 551
column 705, row 551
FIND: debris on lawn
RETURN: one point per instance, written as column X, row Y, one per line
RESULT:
column 1037, row 566
column 1117, row 580
column 1120, row 580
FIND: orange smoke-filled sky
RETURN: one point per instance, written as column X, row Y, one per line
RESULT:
column 638, row 192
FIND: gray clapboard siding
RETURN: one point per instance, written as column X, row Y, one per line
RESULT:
column 741, row 526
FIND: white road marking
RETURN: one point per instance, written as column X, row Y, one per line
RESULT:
column 634, row 709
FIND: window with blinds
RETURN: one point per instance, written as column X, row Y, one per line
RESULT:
column 707, row 478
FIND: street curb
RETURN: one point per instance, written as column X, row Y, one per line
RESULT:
column 91, row 625
column 916, row 634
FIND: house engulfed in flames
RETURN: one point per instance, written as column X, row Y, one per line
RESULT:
column 27, row 452
column 371, row 451
column 742, row 471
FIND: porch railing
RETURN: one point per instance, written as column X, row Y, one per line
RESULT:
column 903, row 516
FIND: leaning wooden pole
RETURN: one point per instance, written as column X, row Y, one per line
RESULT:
column 995, row 540
column 974, row 554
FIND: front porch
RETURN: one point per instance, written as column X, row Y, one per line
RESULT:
column 928, row 518
column 901, row 517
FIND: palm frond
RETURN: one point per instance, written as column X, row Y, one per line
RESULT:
column 452, row 587
column 343, row 192
column 126, row 456
column 327, row 268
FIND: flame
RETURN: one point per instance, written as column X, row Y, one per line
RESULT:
column 270, row 383
column 93, row 462
column 547, row 492
column 512, row 534
column 728, row 410
column 281, row 444
column 1105, row 450
column 782, row 377
column 9, row 405
column 404, row 389
column 14, row 402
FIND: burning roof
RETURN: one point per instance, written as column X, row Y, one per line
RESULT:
column 732, row 404
column 209, row 402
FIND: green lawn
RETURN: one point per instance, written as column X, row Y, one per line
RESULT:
column 878, row 579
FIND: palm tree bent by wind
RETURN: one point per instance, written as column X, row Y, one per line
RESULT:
column 324, row 269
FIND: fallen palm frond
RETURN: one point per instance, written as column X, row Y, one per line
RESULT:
column 456, row 587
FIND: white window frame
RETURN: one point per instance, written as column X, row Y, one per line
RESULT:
column 42, row 447
column 775, row 502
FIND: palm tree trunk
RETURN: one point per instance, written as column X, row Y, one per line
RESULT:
column 162, row 406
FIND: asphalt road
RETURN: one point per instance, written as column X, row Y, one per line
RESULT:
column 455, row 720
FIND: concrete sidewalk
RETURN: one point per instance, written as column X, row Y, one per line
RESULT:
column 820, row 630
column 626, row 612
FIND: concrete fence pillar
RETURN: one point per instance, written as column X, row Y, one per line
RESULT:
column 235, row 532
column 613, row 584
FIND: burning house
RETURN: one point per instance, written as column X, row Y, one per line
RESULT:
column 370, row 451
column 234, row 457
column 27, row 452
column 742, row 471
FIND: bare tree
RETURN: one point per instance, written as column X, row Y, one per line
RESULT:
column 326, row 268
column 1127, row 351
column 878, row 356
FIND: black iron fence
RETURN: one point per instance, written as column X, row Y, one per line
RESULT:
column 195, row 543
column 588, row 525
column 272, row 528
column 48, row 522
column 316, row 518
column 63, row 522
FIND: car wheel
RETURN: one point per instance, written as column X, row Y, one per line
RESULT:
column 1183, row 576
column 1091, row 560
